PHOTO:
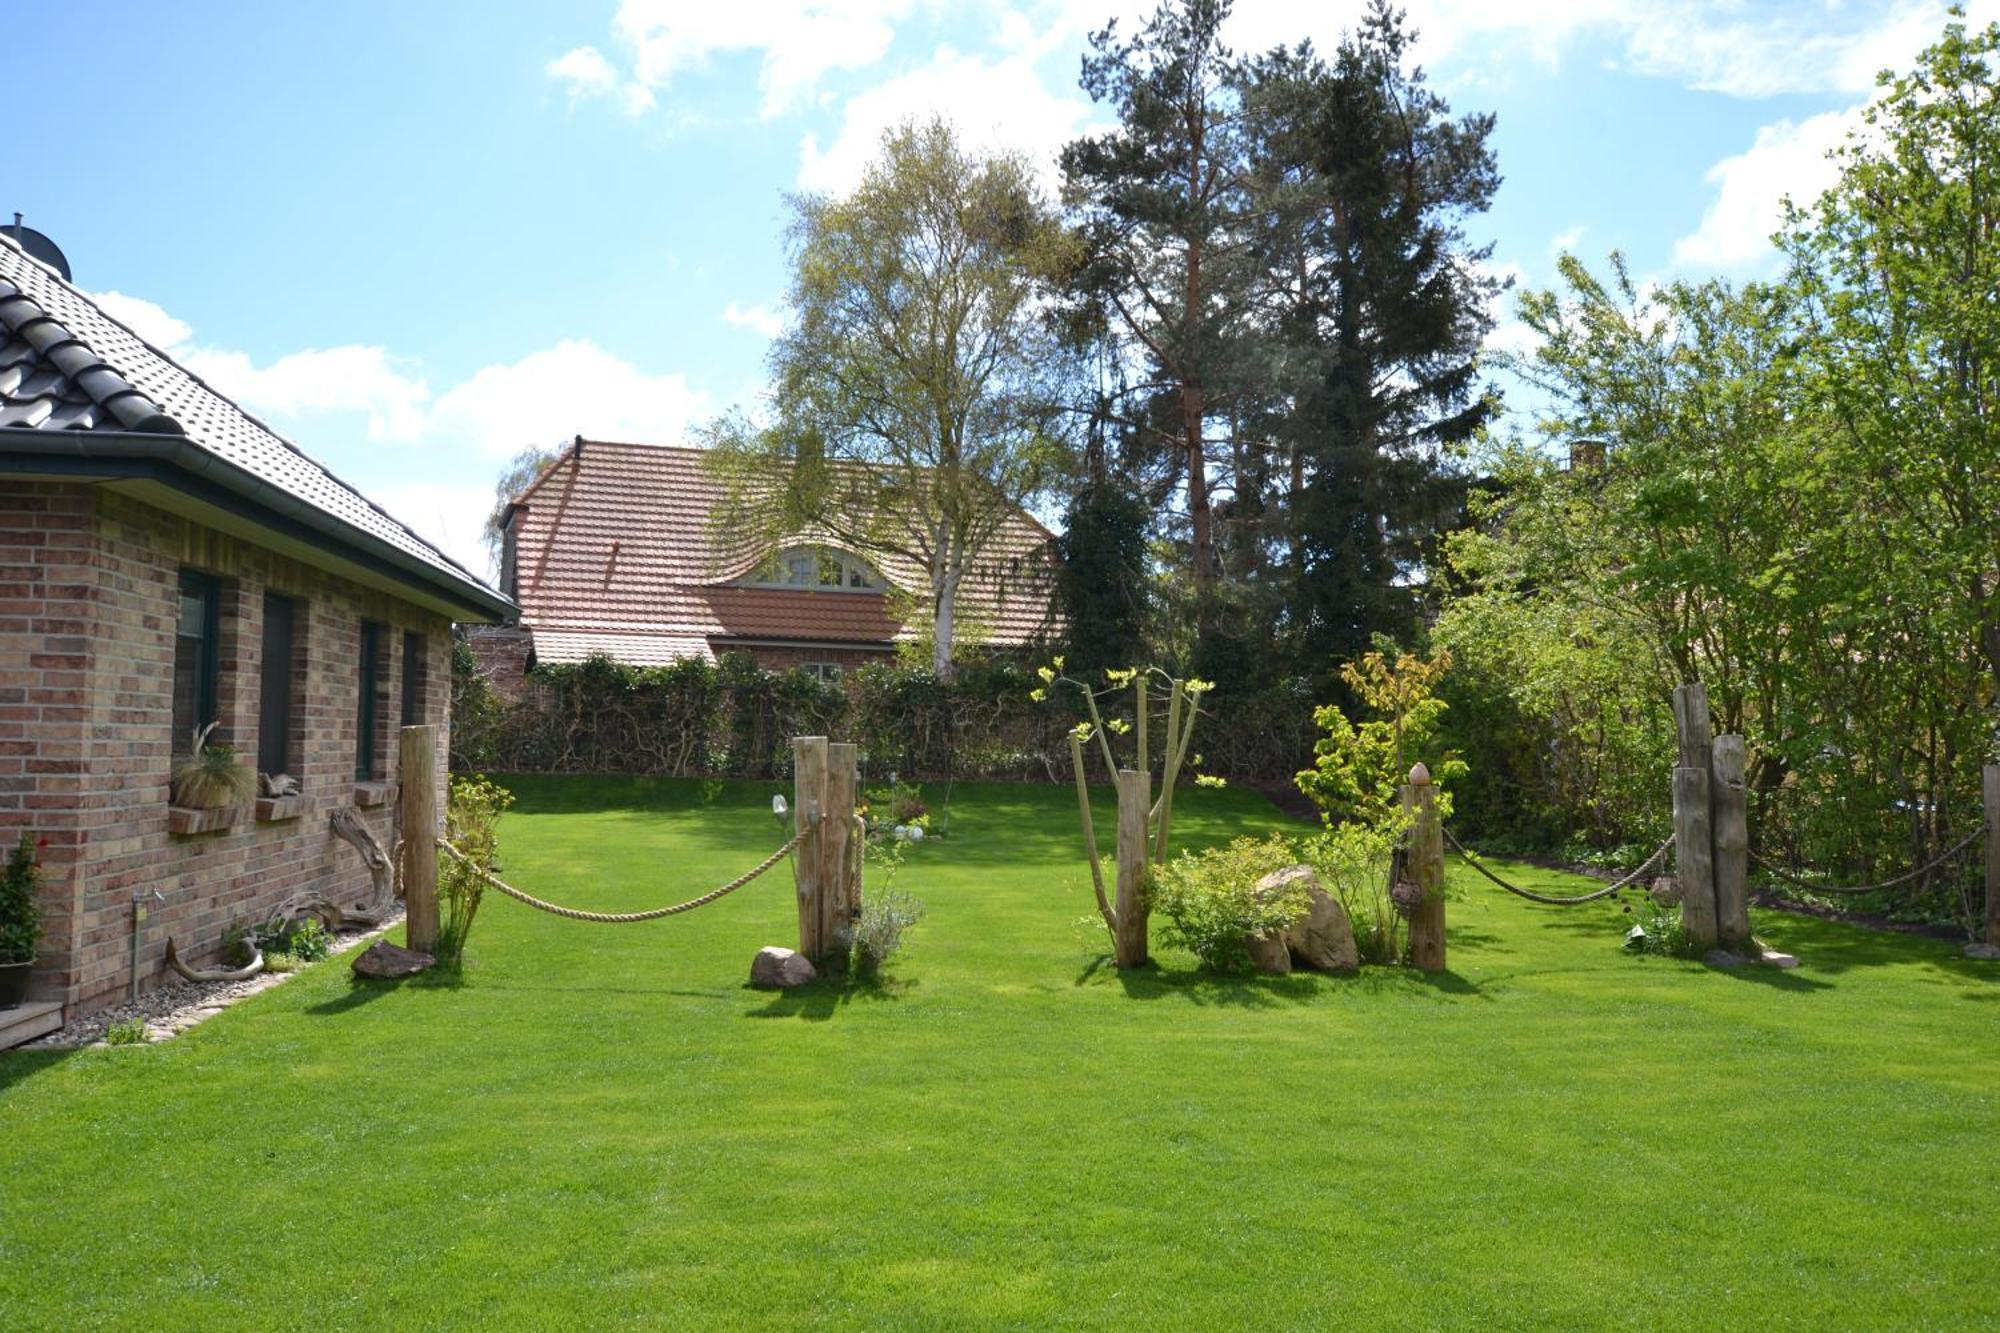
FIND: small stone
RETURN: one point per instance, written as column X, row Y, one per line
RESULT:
column 780, row 969
column 1723, row 958
column 1772, row 958
column 384, row 961
column 1986, row 953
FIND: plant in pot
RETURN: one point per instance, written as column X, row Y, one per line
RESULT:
column 211, row 777
column 20, row 921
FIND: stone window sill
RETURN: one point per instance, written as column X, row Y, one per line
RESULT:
column 271, row 809
column 186, row 821
column 373, row 793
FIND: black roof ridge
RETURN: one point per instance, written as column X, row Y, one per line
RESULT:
column 248, row 415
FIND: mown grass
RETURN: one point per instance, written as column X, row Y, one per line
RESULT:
column 602, row 1125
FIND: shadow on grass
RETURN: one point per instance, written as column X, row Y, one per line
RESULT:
column 821, row 1000
column 366, row 990
column 18, row 1066
column 1249, row 990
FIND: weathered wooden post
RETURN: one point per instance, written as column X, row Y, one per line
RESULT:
column 1990, row 790
column 1427, row 870
column 417, row 810
column 1694, row 837
column 839, row 900
column 1732, row 843
column 1135, row 797
column 809, row 858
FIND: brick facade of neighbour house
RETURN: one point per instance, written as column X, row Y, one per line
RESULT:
column 96, row 535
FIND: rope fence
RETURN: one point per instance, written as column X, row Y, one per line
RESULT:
column 1552, row 900
column 622, row 918
column 1906, row 877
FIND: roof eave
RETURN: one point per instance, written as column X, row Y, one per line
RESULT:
column 100, row 455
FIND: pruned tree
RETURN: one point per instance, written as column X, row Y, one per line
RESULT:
column 917, row 390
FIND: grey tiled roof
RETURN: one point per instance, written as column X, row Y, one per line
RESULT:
column 66, row 365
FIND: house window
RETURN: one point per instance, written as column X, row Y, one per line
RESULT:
column 827, row 673
column 413, row 679
column 367, row 706
column 197, row 659
column 274, row 706
column 807, row 567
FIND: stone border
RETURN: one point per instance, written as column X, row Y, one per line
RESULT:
column 177, row 1005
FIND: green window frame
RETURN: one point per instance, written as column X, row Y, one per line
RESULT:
column 368, row 705
column 274, row 702
column 197, row 657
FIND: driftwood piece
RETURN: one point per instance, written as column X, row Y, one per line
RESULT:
column 244, row 973
column 349, row 827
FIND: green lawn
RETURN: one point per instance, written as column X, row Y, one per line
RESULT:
column 602, row 1125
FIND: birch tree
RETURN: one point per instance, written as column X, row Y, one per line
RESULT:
column 916, row 388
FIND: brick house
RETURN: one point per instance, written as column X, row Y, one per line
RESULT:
column 612, row 550
column 167, row 561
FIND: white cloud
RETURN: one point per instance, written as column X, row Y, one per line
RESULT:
column 354, row 378
column 575, row 387
column 449, row 515
column 761, row 318
column 1565, row 242
column 996, row 105
column 587, row 75
column 143, row 317
column 799, row 42
column 1787, row 159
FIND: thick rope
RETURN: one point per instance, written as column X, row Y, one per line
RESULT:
column 1550, row 899
column 1904, row 878
column 620, row 918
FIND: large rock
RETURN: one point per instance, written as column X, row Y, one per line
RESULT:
column 780, row 969
column 1985, row 953
column 1322, row 938
column 1269, row 954
column 390, row 962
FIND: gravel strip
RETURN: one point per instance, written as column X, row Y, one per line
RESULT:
column 177, row 1004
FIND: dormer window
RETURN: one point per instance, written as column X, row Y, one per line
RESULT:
column 817, row 567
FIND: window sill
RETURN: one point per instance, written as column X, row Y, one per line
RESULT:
column 271, row 809
column 368, row 794
column 184, row 821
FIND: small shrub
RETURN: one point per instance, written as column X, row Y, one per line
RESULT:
column 295, row 942
column 1212, row 904
column 1661, row 931
column 472, row 823
column 126, row 1032
column 307, row 940
column 878, row 932
column 1352, row 861
column 211, row 777
column 279, row 961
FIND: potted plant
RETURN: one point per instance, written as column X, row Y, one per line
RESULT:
column 20, row 921
column 210, row 777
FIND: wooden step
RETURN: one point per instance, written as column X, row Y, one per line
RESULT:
column 36, row 1018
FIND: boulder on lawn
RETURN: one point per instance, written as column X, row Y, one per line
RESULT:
column 1269, row 954
column 1985, row 953
column 384, row 961
column 1323, row 937
column 780, row 969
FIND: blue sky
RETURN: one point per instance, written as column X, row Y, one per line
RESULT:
column 418, row 237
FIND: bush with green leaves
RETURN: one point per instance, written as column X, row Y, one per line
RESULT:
column 1661, row 931
column 126, row 1032
column 1352, row 862
column 472, row 824
column 878, row 931
column 1213, row 906
column 20, row 907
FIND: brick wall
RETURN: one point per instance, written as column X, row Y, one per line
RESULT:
column 89, row 596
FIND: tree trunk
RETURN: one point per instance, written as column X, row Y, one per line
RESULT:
column 944, row 609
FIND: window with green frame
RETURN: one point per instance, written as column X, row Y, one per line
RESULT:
column 368, row 704
column 197, row 657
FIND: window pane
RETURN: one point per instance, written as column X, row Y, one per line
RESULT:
column 195, row 659
column 857, row 577
column 274, row 711
column 413, row 679
column 799, row 568
column 364, row 720
column 829, row 570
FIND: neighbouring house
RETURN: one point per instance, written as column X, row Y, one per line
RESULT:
column 167, row 561
column 611, row 551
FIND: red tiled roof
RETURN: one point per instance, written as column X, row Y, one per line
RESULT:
column 613, row 553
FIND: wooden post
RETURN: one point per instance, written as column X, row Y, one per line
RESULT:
column 1427, row 869
column 1694, row 824
column 1731, row 798
column 1990, row 790
column 1134, row 796
column 417, row 809
column 809, row 858
column 837, row 894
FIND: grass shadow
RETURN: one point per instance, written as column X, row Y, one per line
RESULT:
column 17, row 1066
column 359, row 991
column 820, row 1000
